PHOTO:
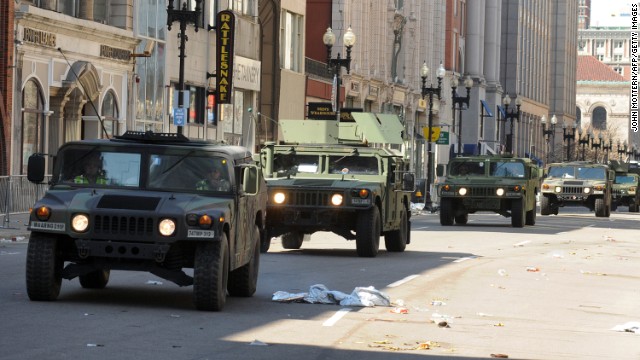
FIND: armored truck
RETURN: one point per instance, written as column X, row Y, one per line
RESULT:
column 577, row 183
column 328, row 176
column 625, row 186
column 502, row 184
column 150, row 206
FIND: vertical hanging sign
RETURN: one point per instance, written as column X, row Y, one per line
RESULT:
column 225, row 29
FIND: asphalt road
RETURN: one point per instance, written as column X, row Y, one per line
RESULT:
column 551, row 291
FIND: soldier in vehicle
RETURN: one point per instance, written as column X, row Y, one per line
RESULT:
column 216, row 180
column 93, row 173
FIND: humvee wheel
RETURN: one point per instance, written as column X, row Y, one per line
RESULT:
column 545, row 205
column 461, row 219
column 517, row 213
column 243, row 281
column 265, row 241
column 633, row 208
column 600, row 207
column 614, row 207
column 97, row 279
column 531, row 217
column 368, row 233
column 210, row 275
column 44, row 268
column 446, row 212
column 396, row 240
column 292, row 240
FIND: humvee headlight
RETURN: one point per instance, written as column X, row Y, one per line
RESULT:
column 167, row 227
column 588, row 190
column 558, row 189
column 279, row 198
column 632, row 189
column 336, row 199
column 363, row 193
column 462, row 191
column 500, row 191
column 80, row 223
column 43, row 213
column 598, row 187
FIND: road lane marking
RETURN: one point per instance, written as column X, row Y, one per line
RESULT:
column 521, row 243
column 418, row 228
column 402, row 281
column 464, row 259
column 337, row 316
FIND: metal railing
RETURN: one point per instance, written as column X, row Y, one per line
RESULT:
column 17, row 195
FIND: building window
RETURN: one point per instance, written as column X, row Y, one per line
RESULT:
column 110, row 115
column 291, row 28
column 32, row 122
column 600, row 57
column 618, row 69
column 600, row 44
column 617, row 58
column 195, row 103
column 150, row 83
column 599, row 118
column 618, row 44
column 244, row 7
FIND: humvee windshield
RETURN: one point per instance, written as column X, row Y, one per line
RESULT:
column 468, row 167
column 353, row 165
column 575, row 172
column 106, row 167
column 506, row 169
column 294, row 163
column 626, row 179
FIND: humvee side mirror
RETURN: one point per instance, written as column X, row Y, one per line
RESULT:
column 35, row 168
column 440, row 169
column 250, row 184
column 408, row 182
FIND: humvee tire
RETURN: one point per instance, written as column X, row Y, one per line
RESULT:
column 600, row 207
column 97, row 279
column 244, row 280
column 265, row 241
column 545, row 205
column 517, row 213
column 210, row 275
column 292, row 240
column 397, row 240
column 461, row 219
column 44, row 268
column 368, row 233
column 531, row 217
column 446, row 212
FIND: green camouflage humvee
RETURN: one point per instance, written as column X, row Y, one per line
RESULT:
column 327, row 177
column 625, row 186
column 577, row 183
column 139, row 202
column 500, row 183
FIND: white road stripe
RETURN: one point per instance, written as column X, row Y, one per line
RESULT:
column 400, row 282
column 464, row 259
column 418, row 228
column 522, row 243
column 337, row 316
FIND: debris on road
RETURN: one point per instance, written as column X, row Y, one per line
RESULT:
column 501, row 356
column 320, row 294
column 631, row 326
column 257, row 342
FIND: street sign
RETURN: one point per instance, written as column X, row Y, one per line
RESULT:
column 435, row 133
column 179, row 116
column 443, row 139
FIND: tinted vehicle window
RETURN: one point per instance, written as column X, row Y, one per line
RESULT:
column 353, row 165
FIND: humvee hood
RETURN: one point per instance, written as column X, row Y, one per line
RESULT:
column 333, row 183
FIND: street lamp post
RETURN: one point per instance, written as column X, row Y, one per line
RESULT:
column 431, row 91
column 596, row 145
column 336, row 65
column 460, row 100
column 607, row 148
column 568, row 135
column 551, row 132
column 621, row 150
column 583, row 141
column 630, row 150
column 512, row 115
column 184, row 17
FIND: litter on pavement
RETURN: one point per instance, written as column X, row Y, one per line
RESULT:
column 320, row 294
column 631, row 326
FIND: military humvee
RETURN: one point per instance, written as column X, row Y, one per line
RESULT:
column 327, row 176
column 499, row 183
column 577, row 183
column 625, row 186
column 147, row 213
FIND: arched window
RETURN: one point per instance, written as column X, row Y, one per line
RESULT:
column 110, row 115
column 33, row 131
column 599, row 118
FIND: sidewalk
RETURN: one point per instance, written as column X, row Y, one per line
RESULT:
column 14, row 228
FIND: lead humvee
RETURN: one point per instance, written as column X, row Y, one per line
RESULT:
column 577, row 183
column 328, row 176
column 499, row 183
column 148, row 212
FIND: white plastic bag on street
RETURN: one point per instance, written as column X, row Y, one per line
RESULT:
column 366, row 296
column 320, row 294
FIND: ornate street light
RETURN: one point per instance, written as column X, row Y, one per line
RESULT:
column 551, row 132
column 568, row 134
column 431, row 91
column 583, row 141
column 184, row 17
column 336, row 65
column 607, row 148
column 622, row 149
column 597, row 145
column 460, row 100
column 512, row 115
